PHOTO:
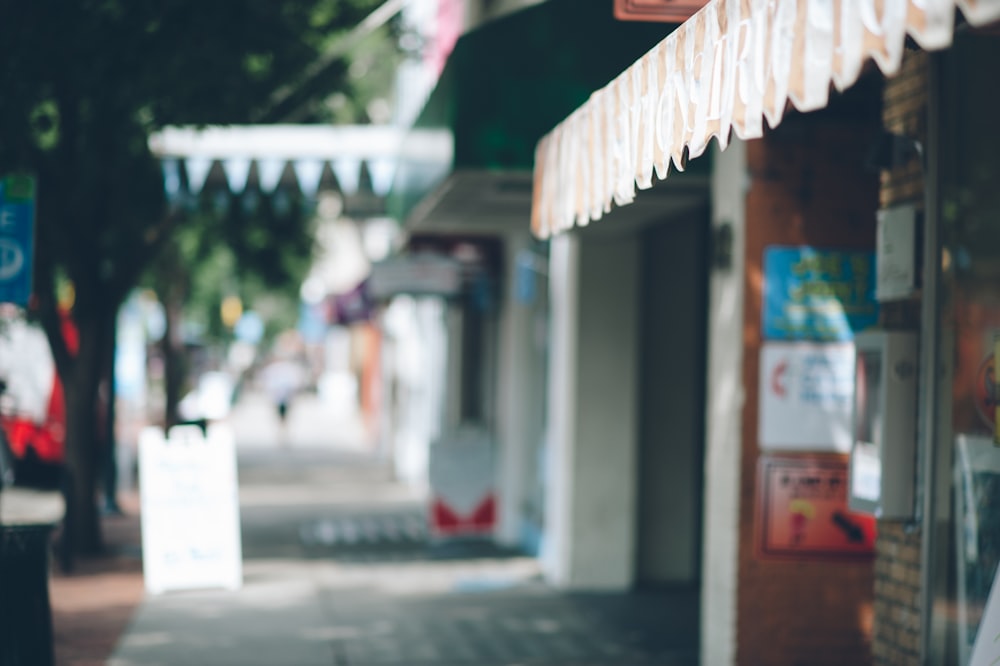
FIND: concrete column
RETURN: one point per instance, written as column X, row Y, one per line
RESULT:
column 452, row 408
column 592, row 430
column 723, row 414
column 516, row 450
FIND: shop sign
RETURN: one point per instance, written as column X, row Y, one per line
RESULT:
column 817, row 294
column 806, row 392
column 418, row 274
column 802, row 510
column 664, row 11
column 17, row 238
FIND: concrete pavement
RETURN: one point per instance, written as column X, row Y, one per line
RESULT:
column 385, row 616
column 314, row 594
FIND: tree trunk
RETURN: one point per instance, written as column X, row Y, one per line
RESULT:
column 174, row 360
column 109, row 472
column 82, row 525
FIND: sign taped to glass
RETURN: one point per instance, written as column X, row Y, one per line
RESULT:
column 817, row 294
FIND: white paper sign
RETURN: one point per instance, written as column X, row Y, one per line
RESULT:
column 806, row 393
column 896, row 258
column 190, row 509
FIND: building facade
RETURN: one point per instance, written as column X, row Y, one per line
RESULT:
column 680, row 405
column 873, row 200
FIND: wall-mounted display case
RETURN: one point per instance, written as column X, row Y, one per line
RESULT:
column 881, row 470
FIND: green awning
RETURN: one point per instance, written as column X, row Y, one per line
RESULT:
column 510, row 82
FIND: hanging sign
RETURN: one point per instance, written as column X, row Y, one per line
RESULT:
column 420, row 273
column 17, row 238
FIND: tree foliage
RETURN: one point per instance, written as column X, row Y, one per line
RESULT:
column 250, row 246
column 82, row 86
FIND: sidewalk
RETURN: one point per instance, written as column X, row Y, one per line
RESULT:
column 323, row 608
column 337, row 572
column 92, row 606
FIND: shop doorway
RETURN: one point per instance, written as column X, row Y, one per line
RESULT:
column 672, row 365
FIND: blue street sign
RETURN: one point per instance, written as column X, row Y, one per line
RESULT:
column 17, row 238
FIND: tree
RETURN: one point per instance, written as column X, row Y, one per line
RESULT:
column 83, row 86
column 251, row 245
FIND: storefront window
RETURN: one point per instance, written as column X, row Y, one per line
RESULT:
column 970, row 324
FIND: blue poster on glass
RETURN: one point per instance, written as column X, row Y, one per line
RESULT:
column 819, row 295
column 17, row 238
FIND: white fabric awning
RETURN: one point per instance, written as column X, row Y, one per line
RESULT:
column 728, row 67
column 307, row 148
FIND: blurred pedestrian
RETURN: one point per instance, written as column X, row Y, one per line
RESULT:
column 282, row 379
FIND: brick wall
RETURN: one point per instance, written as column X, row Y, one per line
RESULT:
column 809, row 186
column 896, row 629
column 904, row 112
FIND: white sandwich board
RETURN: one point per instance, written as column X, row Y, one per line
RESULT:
column 190, row 509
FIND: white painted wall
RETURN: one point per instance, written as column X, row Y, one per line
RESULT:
column 723, row 416
column 564, row 287
column 452, row 412
column 414, row 358
column 593, row 428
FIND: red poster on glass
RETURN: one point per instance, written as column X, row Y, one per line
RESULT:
column 802, row 510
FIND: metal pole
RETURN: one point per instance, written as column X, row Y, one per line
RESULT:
column 930, row 448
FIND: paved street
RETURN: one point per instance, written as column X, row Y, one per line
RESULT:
column 338, row 571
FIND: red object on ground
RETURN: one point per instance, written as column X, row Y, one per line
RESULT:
column 445, row 521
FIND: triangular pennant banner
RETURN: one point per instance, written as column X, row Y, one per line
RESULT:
column 309, row 173
column 237, row 170
column 197, row 171
column 382, row 172
column 171, row 178
column 269, row 172
column 348, row 172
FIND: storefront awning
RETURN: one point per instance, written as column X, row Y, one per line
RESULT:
column 297, row 153
column 725, row 69
column 505, row 84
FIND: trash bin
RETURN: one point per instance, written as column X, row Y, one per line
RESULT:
column 25, row 612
